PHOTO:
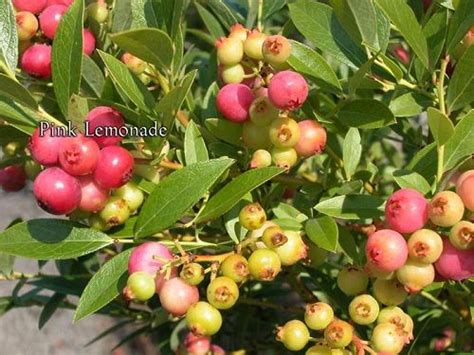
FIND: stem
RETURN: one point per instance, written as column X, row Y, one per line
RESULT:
column 4, row 67
column 45, row 115
column 15, row 275
column 333, row 155
column 260, row 15
column 442, row 305
column 442, row 107
column 212, row 258
column 170, row 165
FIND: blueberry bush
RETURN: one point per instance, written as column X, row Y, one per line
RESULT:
column 261, row 176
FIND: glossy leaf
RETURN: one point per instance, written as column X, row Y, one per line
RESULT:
column 352, row 150
column 441, row 126
column 461, row 21
column 18, row 116
column 9, row 37
column 13, row 90
column 227, row 131
column 212, row 24
column 412, row 180
column 352, row 207
column 409, row 104
column 194, row 146
column 460, row 145
column 461, row 85
column 366, row 113
column 323, row 232
column 92, row 76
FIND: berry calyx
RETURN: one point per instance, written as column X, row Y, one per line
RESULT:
column 406, row 211
column 274, row 237
column 386, row 338
column 254, row 43
column 400, row 319
column 115, row 211
column 238, row 31
column 233, row 102
column 284, row 132
column 276, row 49
column 252, row 216
column 203, row 319
column 49, row 19
column 36, row 60
column 32, row 6
column 230, row 51
column 318, row 315
column 101, row 118
column 177, row 296
column 114, row 167
column 352, row 280
column 455, row 264
column 235, row 267
column 264, row 264
column 232, row 74
column 284, row 157
column 294, row 335
column 140, row 287
column 425, row 246
column 261, row 158
column 88, row 42
column 26, row 25
column 132, row 194
column 222, row 292
column 293, row 250
column 56, row 191
column 387, row 250
column 338, row 334
column 464, row 188
column 389, row 292
column 93, row 197
column 12, row 178
column 262, row 112
column 461, row 235
column 446, row 209
column 192, row 273
column 364, row 309
column 79, row 155
column 288, row 90
column 312, row 139
column 255, row 137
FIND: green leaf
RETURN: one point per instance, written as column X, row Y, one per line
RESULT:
column 460, row 145
column 13, row 90
column 227, row 131
column 194, row 146
column 234, row 191
column 383, row 30
column 412, row 180
column 18, row 116
column 6, row 264
column 176, row 194
column 284, row 210
column 323, row 232
column 128, row 83
column 50, row 308
column 150, row 44
column 9, row 134
column 92, row 76
column 143, row 14
column 351, row 152
column 348, row 246
column 409, row 104
column 461, row 85
column 225, row 15
column 122, row 15
column 356, row 80
column 288, row 224
column 309, row 62
column 441, row 127
column 104, row 286
column 9, row 37
column 67, row 55
column 460, row 23
column 403, row 17
column 366, row 113
column 45, row 239
column 424, row 162
column 214, row 27
column 352, row 207
column 318, row 23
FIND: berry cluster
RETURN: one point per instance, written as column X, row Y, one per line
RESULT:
column 262, row 94
column 37, row 22
column 80, row 173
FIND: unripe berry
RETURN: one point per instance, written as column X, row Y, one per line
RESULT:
column 461, row 235
column 95, row 222
column 387, row 250
column 98, row 11
column 425, row 246
column 232, row 74
column 35, row 6
column 177, row 296
column 255, row 137
column 233, row 102
column 192, row 273
column 115, row 211
column 406, row 211
column 264, row 264
column 293, row 250
column 316, row 255
column 203, row 319
column 446, row 209
column 386, row 338
column 49, row 19
column 284, row 157
column 13, row 148
column 276, row 49
column 258, row 233
column 235, row 267
column 318, row 315
column 88, row 44
column 12, row 178
column 140, row 286
column 454, row 264
column 132, row 194
column 319, row 350
column 238, row 31
column 262, row 112
column 93, row 197
column 389, row 292
column 312, row 138
column 135, row 64
column 400, row 319
column 284, row 132
column 36, row 61
column 252, row 216
column 230, row 51
column 294, row 335
column 352, row 280
column 374, row 272
column 196, row 345
column 103, row 116
column 56, row 191
column 338, row 334
column 78, row 155
column 26, row 25
column 114, row 167
column 274, row 237
column 288, row 90
column 261, row 158
column 364, row 309
column 45, row 149
column 253, row 45
column 465, row 188
column 32, row 169
column 222, row 292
